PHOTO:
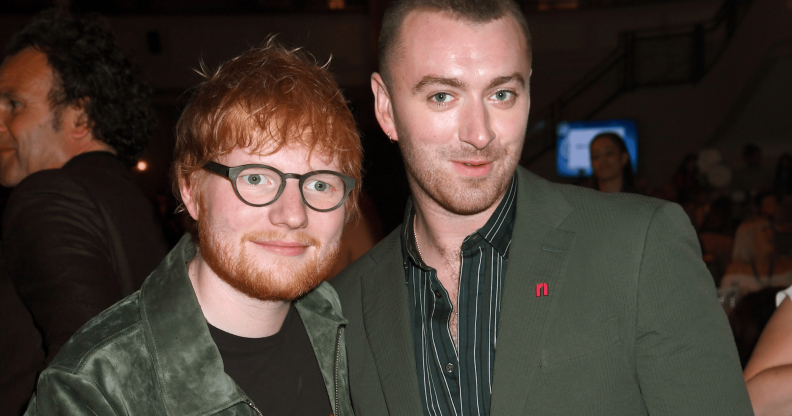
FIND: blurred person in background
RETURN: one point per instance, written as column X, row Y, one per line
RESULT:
column 752, row 177
column 78, row 235
column 784, row 228
column 21, row 355
column 611, row 167
column 782, row 183
column 750, row 317
column 717, row 236
column 687, row 180
column 765, row 268
column 765, row 209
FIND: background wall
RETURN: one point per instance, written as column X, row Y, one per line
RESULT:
column 746, row 97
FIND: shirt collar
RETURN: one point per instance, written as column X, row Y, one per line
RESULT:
column 497, row 231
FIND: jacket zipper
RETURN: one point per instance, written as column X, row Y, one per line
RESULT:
column 335, row 368
column 249, row 403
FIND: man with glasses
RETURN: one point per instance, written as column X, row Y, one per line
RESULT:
column 236, row 319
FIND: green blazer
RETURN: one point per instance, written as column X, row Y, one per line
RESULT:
column 630, row 324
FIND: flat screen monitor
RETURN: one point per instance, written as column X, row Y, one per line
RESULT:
column 574, row 138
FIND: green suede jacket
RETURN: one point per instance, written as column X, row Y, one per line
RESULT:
column 152, row 354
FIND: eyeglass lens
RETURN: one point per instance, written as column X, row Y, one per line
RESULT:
column 260, row 186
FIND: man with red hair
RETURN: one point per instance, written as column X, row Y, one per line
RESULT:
column 236, row 320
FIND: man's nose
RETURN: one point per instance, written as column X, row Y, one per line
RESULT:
column 474, row 125
column 289, row 210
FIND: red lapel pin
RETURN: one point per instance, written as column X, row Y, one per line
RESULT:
column 541, row 287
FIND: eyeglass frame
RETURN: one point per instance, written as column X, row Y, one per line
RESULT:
column 232, row 173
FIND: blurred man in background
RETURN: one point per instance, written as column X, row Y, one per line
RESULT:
column 78, row 235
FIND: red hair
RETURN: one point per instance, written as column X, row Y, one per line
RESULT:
column 263, row 100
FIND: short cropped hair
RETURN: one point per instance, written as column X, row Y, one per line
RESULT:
column 91, row 71
column 472, row 11
column 267, row 98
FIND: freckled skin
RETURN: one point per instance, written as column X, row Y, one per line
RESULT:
column 231, row 219
column 243, row 286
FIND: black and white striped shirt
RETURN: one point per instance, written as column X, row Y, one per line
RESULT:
column 455, row 382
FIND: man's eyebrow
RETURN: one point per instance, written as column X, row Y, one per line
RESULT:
column 432, row 79
column 503, row 80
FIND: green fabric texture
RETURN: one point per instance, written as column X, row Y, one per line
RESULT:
column 152, row 354
column 631, row 324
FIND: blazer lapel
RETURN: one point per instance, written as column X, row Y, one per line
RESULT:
column 387, row 323
column 539, row 254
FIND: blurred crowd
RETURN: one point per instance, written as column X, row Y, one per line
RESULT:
column 743, row 219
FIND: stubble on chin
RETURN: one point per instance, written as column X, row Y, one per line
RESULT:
column 283, row 279
column 456, row 194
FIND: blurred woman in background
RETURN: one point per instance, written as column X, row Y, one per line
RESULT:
column 765, row 268
column 611, row 165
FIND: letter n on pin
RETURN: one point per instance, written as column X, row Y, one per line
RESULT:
column 541, row 289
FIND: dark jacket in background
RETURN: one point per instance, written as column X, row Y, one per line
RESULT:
column 77, row 240
column 21, row 352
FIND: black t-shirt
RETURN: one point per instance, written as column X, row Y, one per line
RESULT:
column 279, row 373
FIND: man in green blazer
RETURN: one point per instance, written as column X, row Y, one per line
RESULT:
column 504, row 294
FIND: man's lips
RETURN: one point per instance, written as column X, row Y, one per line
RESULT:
column 472, row 167
column 283, row 248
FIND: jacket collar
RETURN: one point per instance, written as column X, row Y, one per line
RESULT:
column 497, row 231
column 539, row 255
column 187, row 362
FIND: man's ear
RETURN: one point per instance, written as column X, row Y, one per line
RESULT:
column 383, row 108
column 75, row 120
column 189, row 197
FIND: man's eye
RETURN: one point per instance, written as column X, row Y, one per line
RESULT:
column 442, row 97
column 503, row 95
column 253, row 179
column 318, row 186
column 11, row 105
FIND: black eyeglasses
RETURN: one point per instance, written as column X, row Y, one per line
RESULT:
column 261, row 185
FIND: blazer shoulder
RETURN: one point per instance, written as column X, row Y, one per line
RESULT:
column 613, row 206
column 349, row 278
column 101, row 331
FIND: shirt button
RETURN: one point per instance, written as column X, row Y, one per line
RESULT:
column 449, row 368
column 438, row 294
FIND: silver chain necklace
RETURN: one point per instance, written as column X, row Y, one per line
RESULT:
column 415, row 233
